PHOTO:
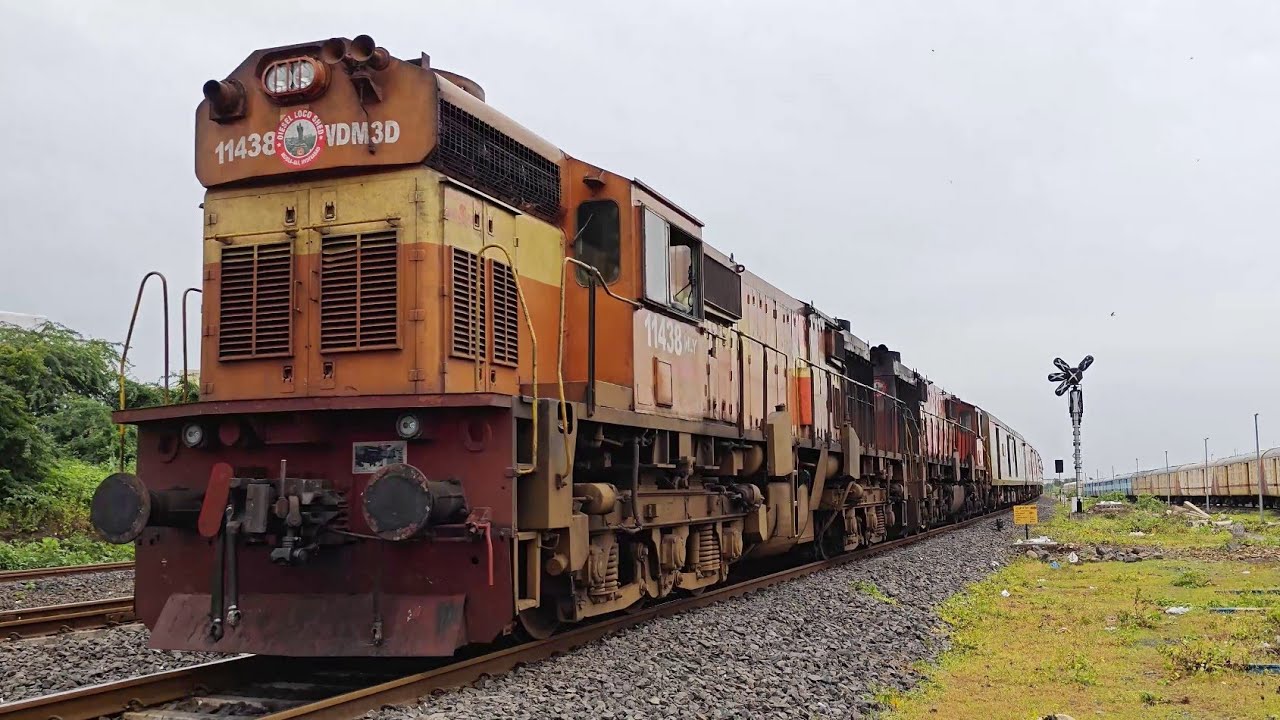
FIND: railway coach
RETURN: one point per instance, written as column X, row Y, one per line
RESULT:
column 457, row 383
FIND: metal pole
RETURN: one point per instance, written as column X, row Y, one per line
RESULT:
column 1168, row 480
column 1077, row 412
column 1206, row 474
column 1257, row 444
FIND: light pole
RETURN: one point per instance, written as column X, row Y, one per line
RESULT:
column 1206, row 474
column 1168, row 480
column 1257, row 444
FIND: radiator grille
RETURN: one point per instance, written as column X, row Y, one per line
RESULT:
column 468, row 325
column 359, row 278
column 255, row 316
column 479, row 153
column 506, row 316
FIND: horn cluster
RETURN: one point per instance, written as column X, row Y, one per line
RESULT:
column 362, row 52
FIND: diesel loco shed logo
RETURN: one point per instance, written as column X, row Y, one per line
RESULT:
column 301, row 136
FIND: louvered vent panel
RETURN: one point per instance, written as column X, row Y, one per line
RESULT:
column 255, row 317
column 506, row 316
column 359, row 279
column 468, row 325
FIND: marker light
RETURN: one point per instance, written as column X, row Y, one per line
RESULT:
column 295, row 77
column 192, row 435
column 408, row 426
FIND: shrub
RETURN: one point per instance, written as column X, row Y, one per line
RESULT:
column 51, row 552
column 1195, row 656
column 1191, row 579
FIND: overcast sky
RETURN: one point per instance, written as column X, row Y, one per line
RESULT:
column 981, row 185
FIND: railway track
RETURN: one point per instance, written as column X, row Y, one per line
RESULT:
column 264, row 688
column 41, row 573
column 51, row 619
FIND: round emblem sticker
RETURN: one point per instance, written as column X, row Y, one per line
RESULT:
column 300, row 136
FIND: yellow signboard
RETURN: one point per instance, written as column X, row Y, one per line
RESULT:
column 1025, row 515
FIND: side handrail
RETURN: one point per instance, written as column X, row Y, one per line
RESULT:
column 185, row 370
column 533, row 339
column 564, row 285
column 128, row 340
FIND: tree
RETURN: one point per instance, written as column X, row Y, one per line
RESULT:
column 24, row 449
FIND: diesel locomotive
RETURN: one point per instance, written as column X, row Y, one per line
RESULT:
column 456, row 383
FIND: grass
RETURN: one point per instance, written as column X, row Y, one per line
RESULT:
column 1094, row 640
column 1159, row 529
column 49, row 526
column 53, row 552
column 866, row 587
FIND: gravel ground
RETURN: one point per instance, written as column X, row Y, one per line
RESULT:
column 813, row 647
column 66, row 588
column 45, row 665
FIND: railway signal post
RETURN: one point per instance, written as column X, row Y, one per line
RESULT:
column 1069, row 379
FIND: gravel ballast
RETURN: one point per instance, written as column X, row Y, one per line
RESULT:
column 61, row 589
column 814, row 647
column 63, row 662
column 819, row 646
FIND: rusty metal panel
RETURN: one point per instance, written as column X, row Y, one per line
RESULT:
column 333, row 129
column 319, row 625
column 667, row 347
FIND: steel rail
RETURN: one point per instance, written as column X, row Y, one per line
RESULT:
column 160, row 688
column 50, row 619
column 41, row 573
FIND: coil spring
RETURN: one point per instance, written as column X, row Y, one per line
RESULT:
column 708, row 562
column 608, row 587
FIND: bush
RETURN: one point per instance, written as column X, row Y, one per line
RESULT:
column 82, row 429
column 1152, row 504
column 1194, row 656
column 24, row 449
column 57, row 503
column 1191, row 579
column 51, row 552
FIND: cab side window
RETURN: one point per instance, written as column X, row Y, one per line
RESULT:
column 672, row 266
column 598, row 240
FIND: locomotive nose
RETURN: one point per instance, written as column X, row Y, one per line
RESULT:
column 401, row 502
column 120, row 508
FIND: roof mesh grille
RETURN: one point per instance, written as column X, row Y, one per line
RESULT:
column 493, row 161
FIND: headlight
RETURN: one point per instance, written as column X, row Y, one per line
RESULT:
column 408, row 426
column 192, row 435
column 296, row 77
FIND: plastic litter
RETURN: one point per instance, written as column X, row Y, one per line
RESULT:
column 1073, row 558
column 1177, row 610
column 1039, row 540
column 1054, row 564
column 1004, row 593
column 1138, row 533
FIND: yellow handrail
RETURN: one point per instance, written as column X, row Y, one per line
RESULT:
column 124, row 354
column 533, row 340
column 564, row 284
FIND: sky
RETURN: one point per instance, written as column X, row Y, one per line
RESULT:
column 983, row 186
